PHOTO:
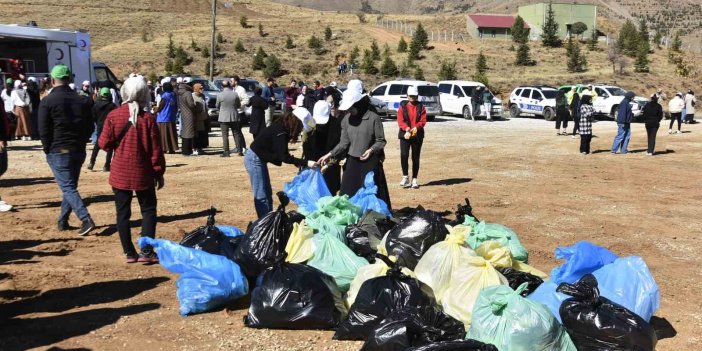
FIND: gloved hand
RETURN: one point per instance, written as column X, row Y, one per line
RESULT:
column 312, row 164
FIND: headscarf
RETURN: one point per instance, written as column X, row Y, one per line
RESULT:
column 18, row 84
column 135, row 93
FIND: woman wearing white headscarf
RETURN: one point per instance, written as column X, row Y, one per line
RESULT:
column 137, row 166
column 22, row 110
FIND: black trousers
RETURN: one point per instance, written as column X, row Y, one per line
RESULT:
column 332, row 176
column 651, row 132
column 186, row 146
column 147, row 203
column 585, row 140
column 576, row 121
column 355, row 172
column 562, row 118
column 239, row 140
column 414, row 144
column 96, row 149
column 675, row 117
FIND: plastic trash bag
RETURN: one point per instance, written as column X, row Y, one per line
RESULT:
column 377, row 269
column 483, row 231
column 595, row 323
column 461, row 212
column 512, row 323
column 436, row 267
column 467, row 280
column 456, row 345
column 363, row 238
column 517, row 278
column 358, row 241
column 264, row 241
column 306, row 188
column 300, row 246
column 412, row 326
column 333, row 215
column 206, row 281
column 501, row 257
column 581, row 258
column 334, row 258
column 380, row 296
column 295, row 296
column 410, row 239
column 366, row 198
column 211, row 239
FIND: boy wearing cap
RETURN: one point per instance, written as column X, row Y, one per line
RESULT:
column 65, row 126
column 102, row 107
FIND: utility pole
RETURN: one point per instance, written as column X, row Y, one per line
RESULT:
column 214, row 29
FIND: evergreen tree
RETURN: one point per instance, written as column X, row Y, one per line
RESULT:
column 448, row 71
column 481, row 78
column 169, row 66
column 206, row 52
column 524, row 56
column 402, row 45
column 177, row 67
column 421, row 36
column 481, row 64
column 628, row 41
column 386, row 50
column 353, row 57
column 592, row 43
column 519, row 33
column 259, row 59
column 642, row 62
column 419, row 73
column 243, row 21
column 239, row 47
column 260, row 30
column 170, row 48
column 289, row 43
column 676, row 46
column 644, row 38
column 576, row 61
column 388, row 68
column 375, row 50
column 193, row 45
column 314, row 42
column 657, row 39
column 404, row 71
column 272, row 66
column 549, row 30
column 220, row 38
column 578, row 28
column 368, row 64
column 327, row 33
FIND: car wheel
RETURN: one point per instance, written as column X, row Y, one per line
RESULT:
column 431, row 118
column 514, row 111
column 549, row 114
column 613, row 113
column 466, row 112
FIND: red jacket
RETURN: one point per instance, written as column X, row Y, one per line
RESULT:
column 138, row 160
column 413, row 119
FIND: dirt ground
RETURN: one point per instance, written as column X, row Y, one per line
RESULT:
column 60, row 291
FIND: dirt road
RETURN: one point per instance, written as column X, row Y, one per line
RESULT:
column 57, row 289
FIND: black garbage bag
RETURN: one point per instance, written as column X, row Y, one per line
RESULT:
column 595, row 323
column 295, row 217
column 412, row 326
column 295, row 296
column 357, row 241
column 264, row 241
column 406, row 212
column 456, row 345
column 517, row 278
column 461, row 212
column 364, row 237
column 378, row 297
column 410, row 239
column 210, row 239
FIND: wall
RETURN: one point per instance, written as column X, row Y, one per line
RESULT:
column 535, row 16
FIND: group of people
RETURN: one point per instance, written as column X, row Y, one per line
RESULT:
column 481, row 96
column 344, row 67
column 578, row 106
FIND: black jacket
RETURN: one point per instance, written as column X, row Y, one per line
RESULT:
column 65, row 120
column 652, row 113
column 100, row 111
column 476, row 96
column 322, row 140
column 4, row 126
column 258, row 114
column 271, row 146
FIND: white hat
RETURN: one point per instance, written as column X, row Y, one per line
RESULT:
column 72, row 86
column 187, row 80
column 321, row 112
column 32, row 79
column 304, row 116
column 412, row 91
column 332, row 84
column 179, row 80
column 85, row 82
column 165, row 80
column 353, row 93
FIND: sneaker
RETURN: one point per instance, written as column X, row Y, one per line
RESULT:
column 573, row 136
column 62, row 225
column 87, row 226
column 415, row 184
column 106, row 168
column 132, row 258
column 677, row 132
column 148, row 257
column 405, row 183
column 670, row 131
column 4, row 206
column 224, row 155
column 649, row 154
column 90, row 166
column 196, row 153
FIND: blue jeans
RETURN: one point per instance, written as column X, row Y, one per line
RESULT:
column 66, row 168
column 260, row 183
column 622, row 139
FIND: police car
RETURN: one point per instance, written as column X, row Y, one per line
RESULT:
column 392, row 93
column 538, row 100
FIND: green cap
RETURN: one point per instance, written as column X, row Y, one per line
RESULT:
column 60, row 72
column 9, row 81
column 105, row 92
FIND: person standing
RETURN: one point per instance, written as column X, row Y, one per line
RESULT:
column 22, row 109
column 243, row 96
column 167, row 110
column 411, row 118
column 475, row 96
column 186, row 105
column 138, row 165
column 291, row 93
column 200, row 115
column 6, row 96
column 268, row 95
column 5, row 136
column 587, row 116
column 85, row 89
column 487, row 103
column 101, row 108
column 228, row 104
column 562, row 115
column 690, row 102
column 65, row 126
column 362, row 143
column 321, row 138
column 319, row 94
column 259, row 109
column 675, row 107
column 575, row 112
column 271, row 146
column 624, row 118
column 652, row 116
column 33, row 92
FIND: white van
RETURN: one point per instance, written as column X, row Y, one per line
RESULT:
column 455, row 98
column 392, row 93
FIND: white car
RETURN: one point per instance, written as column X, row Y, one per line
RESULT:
column 455, row 97
column 608, row 99
column 392, row 93
column 538, row 100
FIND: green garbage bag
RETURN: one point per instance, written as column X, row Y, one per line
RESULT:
column 483, row 231
column 334, row 258
column 502, row 317
column 333, row 214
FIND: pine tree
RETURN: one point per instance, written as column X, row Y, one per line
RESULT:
column 386, row 50
column 481, row 64
column 519, row 33
column 657, row 39
column 368, row 65
column 353, row 57
column 549, row 35
column 642, row 62
column 419, row 73
column 243, row 21
column 523, row 56
column 193, row 45
column 289, row 43
column 260, row 30
column 388, row 68
column 169, row 66
column 421, row 35
column 170, row 49
column 220, row 38
column 576, row 61
column 644, row 37
column 314, row 42
column 676, row 46
column 206, row 52
column 592, row 43
column 272, row 66
column 402, row 45
column 628, row 40
column 177, row 67
column 448, row 71
column 404, row 71
column 259, row 59
column 239, row 47
column 375, row 50
column 327, row 33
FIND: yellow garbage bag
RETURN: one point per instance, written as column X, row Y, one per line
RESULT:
column 370, row 271
column 435, row 268
column 300, row 247
column 500, row 256
column 469, row 277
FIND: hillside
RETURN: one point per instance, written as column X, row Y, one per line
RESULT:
column 133, row 37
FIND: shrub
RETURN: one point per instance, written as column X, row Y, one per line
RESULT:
column 272, row 66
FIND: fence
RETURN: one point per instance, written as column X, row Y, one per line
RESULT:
column 434, row 35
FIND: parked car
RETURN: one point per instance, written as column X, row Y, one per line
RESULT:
column 379, row 105
column 211, row 91
column 455, row 98
column 392, row 93
column 538, row 100
column 609, row 97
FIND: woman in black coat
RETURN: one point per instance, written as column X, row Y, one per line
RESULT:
column 258, row 113
column 652, row 115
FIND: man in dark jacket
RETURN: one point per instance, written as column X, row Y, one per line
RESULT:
column 624, row 118
column 475, row 97
column 258, row 113
column 103, row 106
column 268, row 94
column 33, row 92
column 652, row 116
column 65, row 126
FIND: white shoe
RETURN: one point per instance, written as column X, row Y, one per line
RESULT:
column 678, row 132
column 196, row 153
column 670, row 131
column 415, row 184
column 405, row 183
column 5, row 207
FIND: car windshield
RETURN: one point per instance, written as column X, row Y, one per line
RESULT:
column 616, row 91
column 249, row 85
column 550, row 93
column 206, row 84
column 428, row 90
column 468, row 90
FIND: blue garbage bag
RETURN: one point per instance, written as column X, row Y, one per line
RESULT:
column 206, row 281
column 230, row 231
column 366, row 198
column 581, row 258
column 306, row 188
